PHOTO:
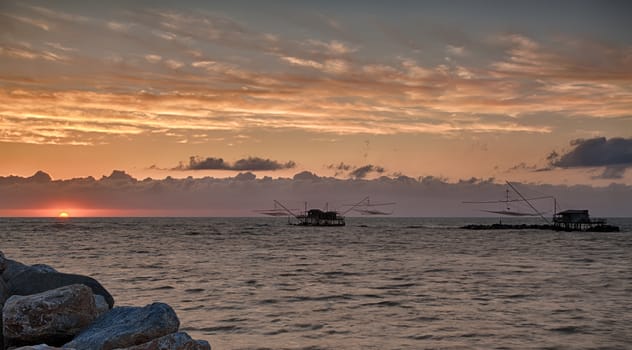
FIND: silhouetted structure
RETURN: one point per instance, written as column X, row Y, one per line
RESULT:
column 567, row 220
column 577, row 220
column 317, row 217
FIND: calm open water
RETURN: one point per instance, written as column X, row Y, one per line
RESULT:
column 257, row 283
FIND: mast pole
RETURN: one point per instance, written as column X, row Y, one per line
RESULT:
column 532, row 207
column 286, row 209
column 356, row 205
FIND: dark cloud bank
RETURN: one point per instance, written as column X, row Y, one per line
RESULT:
column 355, row 172
column 614, row 154
column 240, row 195
column 246, row 164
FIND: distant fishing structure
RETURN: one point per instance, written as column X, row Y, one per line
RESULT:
column 326, row 217
column 507, row 211
column 567, row 220
column 365, row 207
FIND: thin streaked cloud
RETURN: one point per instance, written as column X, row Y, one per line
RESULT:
column 208, row 71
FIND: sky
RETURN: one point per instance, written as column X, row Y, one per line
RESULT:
column 355, row 92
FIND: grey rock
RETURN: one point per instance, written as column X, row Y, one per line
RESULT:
column 38, row 347
column 52, row 317
column 12, row 268
column 3, row 261
column 32, row 281
column 174, row 341
column 4, row 295
column 101, row 304
column 127, row 326
column 43, row 268
column 4, row 292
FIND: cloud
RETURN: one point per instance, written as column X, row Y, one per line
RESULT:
column 363, row 171
column 173, row 64
column 355, row 172
column 615, row 154
column 306, row 175
column 153, row 58
column 247, row 176
column 256, row 163
column 455, row 50
column 523, row 166
column 334, row 47
column 612, row 173
column 121, row 194
column 43, row 25
column 250, row 163
column 219, row 73
column 596, row 152
column 340, row 167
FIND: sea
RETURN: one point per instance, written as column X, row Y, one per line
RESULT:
column 377, row 283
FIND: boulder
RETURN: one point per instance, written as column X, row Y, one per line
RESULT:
column 101, row 304
column 174, row 341
column 32, row 281
column 4, row 292
column 3, row 261
column 4, row 295
column 12, row 268
column 127, row 326
column 43, row 268
column 53, row 317
column 38, row 347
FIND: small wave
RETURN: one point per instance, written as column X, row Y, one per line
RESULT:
column 163, row 288
column 567, row 329
column 436, row 270
column 321, row 298
column 517, row 296
column 425, row 319
column 386, row 303
column 194, row 290
column 221, row 329
column 373, row 296
column 229, row 307
column 420, row 337
column 234, row 319
column 268, row 301
column 339, row 273
column 277, row 332
column 308, row 326
column 193, row 308
column 397, row 286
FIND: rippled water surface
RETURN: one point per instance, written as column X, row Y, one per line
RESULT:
column 375, row 284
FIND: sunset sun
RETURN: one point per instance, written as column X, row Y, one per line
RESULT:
column 63, row 214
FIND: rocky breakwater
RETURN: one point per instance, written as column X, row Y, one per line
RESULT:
column 43, row 309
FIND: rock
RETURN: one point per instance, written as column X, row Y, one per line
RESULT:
column 4, row 295
column 43, row 268
column 174, row 341
column 12, row 268
column 32, row 281
column 3, row 261
column 127, row 326
column 52, row 317
column 39, row 347
column 4, row 292
column 101, row 304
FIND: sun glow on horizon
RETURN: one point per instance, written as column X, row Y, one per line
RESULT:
column 63, row 215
